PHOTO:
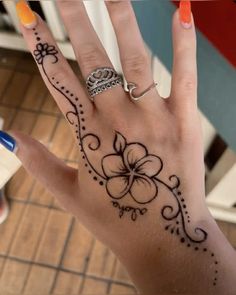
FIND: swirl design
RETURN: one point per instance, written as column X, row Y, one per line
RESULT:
column 137, row 172
column 93, row 143
column 169, row 213
column 71, row 120
column 175, row 180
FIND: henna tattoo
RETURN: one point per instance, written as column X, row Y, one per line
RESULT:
column 134, row 211
column 75, row 117
column 130, row 171
column 42, row 50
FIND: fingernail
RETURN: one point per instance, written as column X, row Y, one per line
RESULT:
column 26, row 15
column 185, row 13
column 7, row 141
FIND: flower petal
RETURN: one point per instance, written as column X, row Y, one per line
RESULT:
column 39, row 46
column 52, row 52
column 113, row 165
column 143, row 190
column 132, row 153
column 45, row 46
column 36, row 52
column 150, row 166
column 39, row 60
column 117, row 187
column 38, row 55
column 51, row 47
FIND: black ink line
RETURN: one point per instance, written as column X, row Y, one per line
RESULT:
column 133, row 170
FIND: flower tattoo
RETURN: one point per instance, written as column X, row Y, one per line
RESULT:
column 42, row 50
column 130, row 171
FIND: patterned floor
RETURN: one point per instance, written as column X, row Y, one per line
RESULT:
column 44, row 250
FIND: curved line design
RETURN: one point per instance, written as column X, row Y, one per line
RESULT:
column 93, row 146
column 137, row 172
column 179, row 211
column 75, row 113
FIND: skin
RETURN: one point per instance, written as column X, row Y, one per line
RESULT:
column 156, row 260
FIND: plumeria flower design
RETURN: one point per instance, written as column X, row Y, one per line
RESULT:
column 42, row 50
column 131, row 171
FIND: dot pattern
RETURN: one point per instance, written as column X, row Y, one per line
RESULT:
column 67, row 93
column 185, row 240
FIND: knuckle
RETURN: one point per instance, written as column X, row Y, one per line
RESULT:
column 183, row 48
column 120, row 11
column 121, row 17
column 64, row 4
column 136, row 64
column 88, row 56
column 121, row 124
column 59, row 74
column 188, row 83
column 66, row 7
column 119, row 121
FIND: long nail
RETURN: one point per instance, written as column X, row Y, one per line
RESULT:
column 185, row 13
column 26, row 15
column 8, row 142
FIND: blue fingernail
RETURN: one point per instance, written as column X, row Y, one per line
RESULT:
column 7, row 141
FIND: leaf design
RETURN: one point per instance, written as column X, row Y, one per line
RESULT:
column 119, row 143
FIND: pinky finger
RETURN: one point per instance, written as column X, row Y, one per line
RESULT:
column 184, row 75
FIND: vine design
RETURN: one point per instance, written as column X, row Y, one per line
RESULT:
column 130, row 171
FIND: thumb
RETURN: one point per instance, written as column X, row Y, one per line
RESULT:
column 58, row 178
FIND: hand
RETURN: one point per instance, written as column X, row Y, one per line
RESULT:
column 139, row 186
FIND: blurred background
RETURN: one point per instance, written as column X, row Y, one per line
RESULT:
column 44, row 250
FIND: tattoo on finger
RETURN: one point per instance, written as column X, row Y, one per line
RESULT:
column 129, row 171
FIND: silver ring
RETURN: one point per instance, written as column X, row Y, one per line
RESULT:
column 132, row 86
column 101, row 80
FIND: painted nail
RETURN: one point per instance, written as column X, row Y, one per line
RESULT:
column 26, row 15
column 7, row 141
column 185, row 13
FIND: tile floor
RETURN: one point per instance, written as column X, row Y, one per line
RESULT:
column 44, row 250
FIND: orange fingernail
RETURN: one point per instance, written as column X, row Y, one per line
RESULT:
column 26, row 15
column 185, row 13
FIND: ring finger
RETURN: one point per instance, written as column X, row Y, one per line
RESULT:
column 135, row 60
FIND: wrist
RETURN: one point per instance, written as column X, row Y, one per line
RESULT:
column 166, row 265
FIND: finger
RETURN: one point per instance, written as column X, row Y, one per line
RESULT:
column 52, row 173
column 184, row 76
column 87, row 46
column 69, row 94
column 88, row 49
column 135, row 60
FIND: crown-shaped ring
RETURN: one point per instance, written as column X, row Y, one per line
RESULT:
column 102, row 79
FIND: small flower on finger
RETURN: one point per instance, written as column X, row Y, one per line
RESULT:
column 42, row 50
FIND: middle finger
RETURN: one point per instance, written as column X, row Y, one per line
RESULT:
column 88, row 49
